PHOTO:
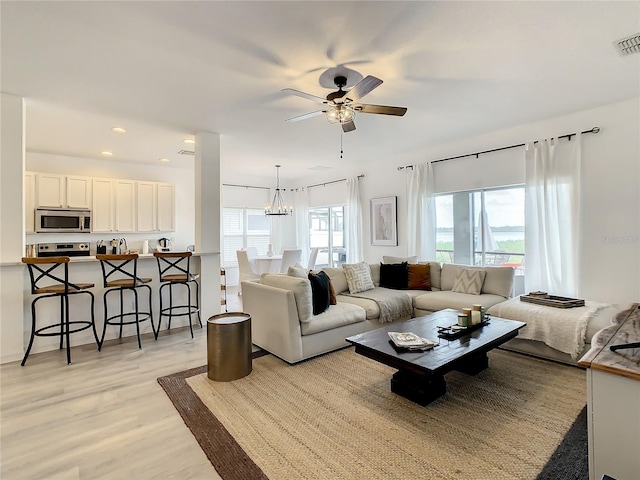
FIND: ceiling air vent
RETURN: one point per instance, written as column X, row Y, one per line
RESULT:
column 186, row 152
column 629, row 45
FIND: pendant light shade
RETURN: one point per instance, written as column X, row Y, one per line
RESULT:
column 277, row 206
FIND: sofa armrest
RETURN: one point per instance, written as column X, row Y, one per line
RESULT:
column 275, row 326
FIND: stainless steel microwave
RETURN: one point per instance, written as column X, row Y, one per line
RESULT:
column 59, row 220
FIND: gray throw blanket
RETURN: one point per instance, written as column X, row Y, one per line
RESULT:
column 393, row 304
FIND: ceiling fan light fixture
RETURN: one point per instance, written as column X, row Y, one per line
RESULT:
column 277, row 207
column 341, row 114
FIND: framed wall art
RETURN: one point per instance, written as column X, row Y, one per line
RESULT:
column 384, row 221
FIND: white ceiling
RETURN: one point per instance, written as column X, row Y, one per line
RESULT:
column 166, row 70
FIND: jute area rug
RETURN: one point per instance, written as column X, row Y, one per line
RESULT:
column 334, row 417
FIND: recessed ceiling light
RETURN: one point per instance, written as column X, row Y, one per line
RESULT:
column 118, row 130
column 164, row 160
column 106, row 153
column 189, row 140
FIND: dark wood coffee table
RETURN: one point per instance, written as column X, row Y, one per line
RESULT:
column 420, row 376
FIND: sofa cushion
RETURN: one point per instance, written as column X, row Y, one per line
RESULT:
column 375, row 273
column 295, row 271
column 434, row 301
column 469, row 281
column 371, row 307
column 335, row 316
column 332, row 293
column 418, row 277
column 389, row 259
column 320, row 295
column 394, row 275
column 338, row 279
column 301, row 288
column 358, row 277
column 499, row 280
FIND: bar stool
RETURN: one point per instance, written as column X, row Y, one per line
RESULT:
column 126, row 265
column 174, row 269
column 43, row 269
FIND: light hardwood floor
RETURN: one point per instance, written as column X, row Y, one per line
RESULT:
column 104, row 416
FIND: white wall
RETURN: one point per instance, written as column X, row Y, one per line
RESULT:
column 182, row 177
column 611, row 192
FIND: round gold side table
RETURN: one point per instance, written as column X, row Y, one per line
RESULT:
column 228, row 346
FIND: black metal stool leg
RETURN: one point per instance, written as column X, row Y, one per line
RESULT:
column 106, row 316
column 189, row 307
column 93, row 319
column 121, row 311
column 61, row 321
column 33, row 332
column 137, row 314
column 161, row 312
column 67, row 327
column 198, row 301
column 170, row 304
column 155, row 332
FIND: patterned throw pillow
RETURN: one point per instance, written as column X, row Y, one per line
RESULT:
column 419, row 276
column 358, row 277
column 469, row 281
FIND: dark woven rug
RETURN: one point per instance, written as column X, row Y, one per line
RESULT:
column 569, row 461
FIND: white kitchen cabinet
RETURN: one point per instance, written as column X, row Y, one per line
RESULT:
column 125, row 205
column 29, row 201
column 50, row 190
column 62, row 191
column 166, row 207
column 146, row 206
column 102, row 208
column 78, row 192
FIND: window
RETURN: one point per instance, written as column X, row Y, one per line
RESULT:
column 326, row 231
column 482, row 227
column 242, row 228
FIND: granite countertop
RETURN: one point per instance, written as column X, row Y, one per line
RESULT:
column 624, row 329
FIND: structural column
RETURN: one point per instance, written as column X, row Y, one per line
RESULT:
column 12, row 233
column 207, row 219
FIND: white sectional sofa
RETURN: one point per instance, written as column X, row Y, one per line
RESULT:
column 284, row 325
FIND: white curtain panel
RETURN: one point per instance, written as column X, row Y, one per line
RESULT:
column 421, row 212
column 552, row 216
column 353, row 222
column 301, row 214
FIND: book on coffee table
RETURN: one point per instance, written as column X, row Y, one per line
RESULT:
column 411, row 341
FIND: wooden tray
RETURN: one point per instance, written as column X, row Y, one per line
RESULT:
column 443, row 332
column 553, row 301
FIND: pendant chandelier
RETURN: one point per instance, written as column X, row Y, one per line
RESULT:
column 277, row 206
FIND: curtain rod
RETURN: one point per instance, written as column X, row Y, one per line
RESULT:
column 333, row 181
column 476, row 154
column 244, row 186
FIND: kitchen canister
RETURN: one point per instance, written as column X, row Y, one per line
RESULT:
column 145, row 246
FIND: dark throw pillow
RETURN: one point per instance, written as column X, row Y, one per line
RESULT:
column 320, row 291
column 419, row 276
column 394, row 275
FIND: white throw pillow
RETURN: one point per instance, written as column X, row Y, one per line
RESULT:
column 358, row 277
column 297, row 271
column 469, row 281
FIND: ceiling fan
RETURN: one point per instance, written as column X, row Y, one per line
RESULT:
column 341, row 106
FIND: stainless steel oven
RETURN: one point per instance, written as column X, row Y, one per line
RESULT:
column 63, row 220
column 76, row 249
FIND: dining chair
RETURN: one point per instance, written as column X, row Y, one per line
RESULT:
column 289, row 258
column 313, row 255
column 246, row 273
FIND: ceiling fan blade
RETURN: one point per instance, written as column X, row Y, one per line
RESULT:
column 293, row 91
column 305, row 116
column 380, row 109
column 362, row 88
column 348, row 127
